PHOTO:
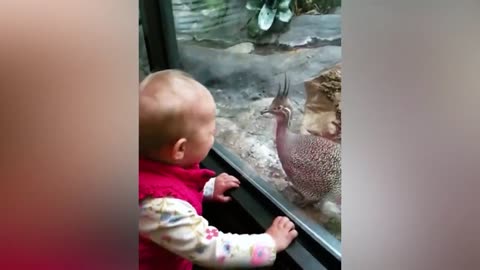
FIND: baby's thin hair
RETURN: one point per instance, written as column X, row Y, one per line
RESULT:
column 174, row 72
column 160, row 125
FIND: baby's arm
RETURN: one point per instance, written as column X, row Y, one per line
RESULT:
column 216, row 187
column 209, row 188
column 174, row 225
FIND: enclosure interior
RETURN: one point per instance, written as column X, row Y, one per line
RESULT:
column 244, row 52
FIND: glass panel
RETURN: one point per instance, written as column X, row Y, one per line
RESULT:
column 143, row 66
column 244, row 52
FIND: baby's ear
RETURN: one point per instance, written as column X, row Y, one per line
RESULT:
column 178, row 151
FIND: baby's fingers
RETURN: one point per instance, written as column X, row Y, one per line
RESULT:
column 233, row 184
column 229, row 178
column 288, row 225
column 293, row 234
column 276, row 221
column 228, row 185
column 280, row 221
column 235, row 180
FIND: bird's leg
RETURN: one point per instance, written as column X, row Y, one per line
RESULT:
column 291, row 193
column 303, row 203
column 298, row 197
column 306, row 201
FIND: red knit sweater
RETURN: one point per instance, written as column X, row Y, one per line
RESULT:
column 158, row 180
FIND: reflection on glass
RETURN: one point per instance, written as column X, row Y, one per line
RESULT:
column 143, row 66
column 248, row 54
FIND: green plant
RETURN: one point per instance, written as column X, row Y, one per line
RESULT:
column 214, row 8
column 267, row 13
column 321, row 6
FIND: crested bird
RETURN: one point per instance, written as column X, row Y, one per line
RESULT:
column 311, row 163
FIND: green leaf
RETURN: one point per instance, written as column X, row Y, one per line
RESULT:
column 252, row 28
column 266, row 17
column 285, row 16
column 254, row 4
column 283, row 5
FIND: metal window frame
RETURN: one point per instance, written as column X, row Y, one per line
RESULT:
column 160, row 39
column 159, row 32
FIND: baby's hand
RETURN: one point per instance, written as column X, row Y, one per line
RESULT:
column 224, row 182
column 283, row 232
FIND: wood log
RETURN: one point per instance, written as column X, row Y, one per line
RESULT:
column 322, row 115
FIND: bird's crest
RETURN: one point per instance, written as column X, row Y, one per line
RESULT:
column 280, row 104
column 281, row 99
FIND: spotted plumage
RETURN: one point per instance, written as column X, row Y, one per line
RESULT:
column 311, row 163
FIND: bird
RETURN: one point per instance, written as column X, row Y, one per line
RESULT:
column 311, row 163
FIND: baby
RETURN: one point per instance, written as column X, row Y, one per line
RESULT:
column 177, row 128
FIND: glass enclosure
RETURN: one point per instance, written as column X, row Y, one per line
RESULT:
column 244, row 52
column 143, row 65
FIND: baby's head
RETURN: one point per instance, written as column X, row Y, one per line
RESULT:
column 177, row 118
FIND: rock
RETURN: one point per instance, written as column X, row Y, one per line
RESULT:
column 250, row 135
column 213, row 20
column 245, row 47
column 336, row 10
column 262, row 104
column 309, row 29
column 218, row 68
column 312, row 12
column 322, row 104
column 193, row 17
column 256, row 97
column 266, row 39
